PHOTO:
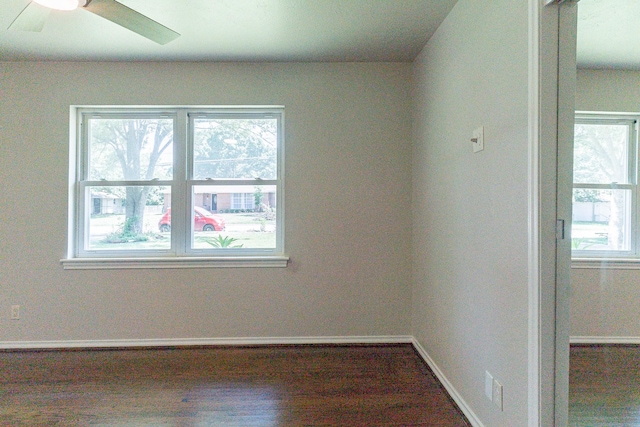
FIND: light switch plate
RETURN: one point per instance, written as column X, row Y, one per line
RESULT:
column 488, row 385
column 497, row 394
column 478, row 139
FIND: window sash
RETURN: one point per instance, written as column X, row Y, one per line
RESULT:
column 85, row 208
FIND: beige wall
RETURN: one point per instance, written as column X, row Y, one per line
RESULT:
column 604, row 302
column 470, row 210
column 348, row 136
column 608, row 90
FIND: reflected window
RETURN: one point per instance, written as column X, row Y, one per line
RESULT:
column 604, row 187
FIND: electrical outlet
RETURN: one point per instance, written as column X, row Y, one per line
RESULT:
column 15, row 312
column 497, row 394
column 488, row 385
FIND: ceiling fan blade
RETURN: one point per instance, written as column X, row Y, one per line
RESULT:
column 132, row 20
column 31, row 18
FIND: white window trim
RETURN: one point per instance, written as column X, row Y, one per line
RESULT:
column 174, row 262
column 606, row 263
column 618, row 260
column 78, row 259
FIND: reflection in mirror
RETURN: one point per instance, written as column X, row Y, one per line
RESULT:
column 605, row 294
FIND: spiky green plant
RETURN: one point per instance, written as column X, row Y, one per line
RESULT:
column 221, row 241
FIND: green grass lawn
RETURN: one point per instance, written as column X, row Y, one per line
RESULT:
column 248, row 240
column 244, row 227
column 589, row 235
column 161, row 241
column 240, row 218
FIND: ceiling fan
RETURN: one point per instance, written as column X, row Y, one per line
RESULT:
column 33, row 16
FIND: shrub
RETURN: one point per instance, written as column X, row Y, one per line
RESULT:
column 222, row 242
column 128, row 232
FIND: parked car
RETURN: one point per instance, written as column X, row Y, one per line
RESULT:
column 203, row 220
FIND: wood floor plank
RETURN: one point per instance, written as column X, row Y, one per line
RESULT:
column 252, row 386
column 604, row 386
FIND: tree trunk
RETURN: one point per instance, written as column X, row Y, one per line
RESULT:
column 617, row 221
column 134, row 209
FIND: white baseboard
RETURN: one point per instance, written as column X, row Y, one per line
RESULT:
column 183, row 342
column 466, row 410
column 604, row 340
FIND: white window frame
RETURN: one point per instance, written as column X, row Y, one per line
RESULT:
column 625, row 259
column 181, row 254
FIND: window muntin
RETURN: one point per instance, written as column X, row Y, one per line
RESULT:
column 605, row 191
column 143, row 191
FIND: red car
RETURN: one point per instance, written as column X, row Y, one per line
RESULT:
column 203, row 220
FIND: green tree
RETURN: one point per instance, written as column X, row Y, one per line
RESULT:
column 130, row 149
column 587, row 195
column 258, row 195
column 600, row 153
column 600, row 157
column 233, row 148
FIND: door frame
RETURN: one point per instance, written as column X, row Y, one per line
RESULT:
column 552, row 69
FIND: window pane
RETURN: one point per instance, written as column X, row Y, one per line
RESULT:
column 601, row 153
column 116, row 221
column 236, row 201
column 601, row 220
column 218, row 222
column 235, row 148
column 130, row 149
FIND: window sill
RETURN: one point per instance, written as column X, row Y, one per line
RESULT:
column 606, row 263
column 184, row 262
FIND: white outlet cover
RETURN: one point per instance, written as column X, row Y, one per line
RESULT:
column 478, row 139
column 488, row 385
column 15, row 312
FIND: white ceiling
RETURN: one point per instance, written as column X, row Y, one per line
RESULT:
column 609, row 34
column 235, row 30
column 293, row 30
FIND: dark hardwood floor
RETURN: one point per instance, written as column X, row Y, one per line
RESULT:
column 224, row 386
column 604, row 386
